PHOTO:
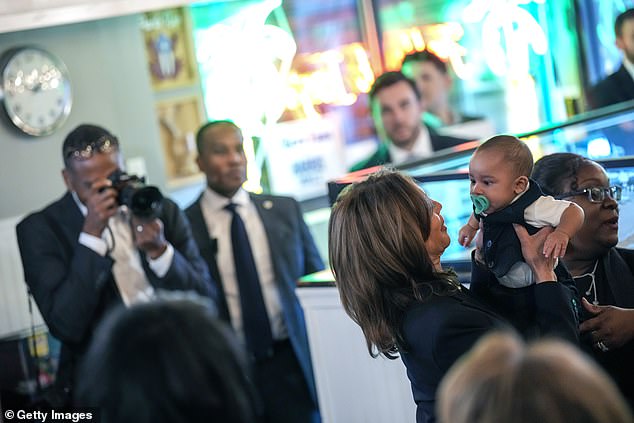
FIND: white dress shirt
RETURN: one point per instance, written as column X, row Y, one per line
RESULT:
column 218, row 221
column 127, row 268
column 422, row 148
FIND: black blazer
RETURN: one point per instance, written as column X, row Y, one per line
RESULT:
column 73, row 286
column 442, row 328
column 382, row 154
column 616, row 88
column 293, row 253
column 615, row 276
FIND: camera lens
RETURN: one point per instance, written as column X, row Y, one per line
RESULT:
column 146, row 202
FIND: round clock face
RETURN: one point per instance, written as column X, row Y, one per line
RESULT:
column 37, row 94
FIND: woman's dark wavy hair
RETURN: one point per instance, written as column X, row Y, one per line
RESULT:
column 168, row 361
column 555, row 172
column 376, row 240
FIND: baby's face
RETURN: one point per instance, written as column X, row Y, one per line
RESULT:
column 493, row 177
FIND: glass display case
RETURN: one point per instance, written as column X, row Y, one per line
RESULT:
column 599, row 135
column 604, row 135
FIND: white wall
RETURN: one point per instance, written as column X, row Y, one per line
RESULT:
column 111, row 87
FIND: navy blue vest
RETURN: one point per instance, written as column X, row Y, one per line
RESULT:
column 501, row 246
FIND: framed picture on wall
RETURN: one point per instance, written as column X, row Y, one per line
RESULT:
column 169, row 48
column 179, row 119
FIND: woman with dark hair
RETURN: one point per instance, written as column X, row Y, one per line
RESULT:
column 386, row 237
column 166, row 361
column 603, row 273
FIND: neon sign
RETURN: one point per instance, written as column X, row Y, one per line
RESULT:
column 508, row 32
column 247, row 73
column 442, row 40
column 337, row 78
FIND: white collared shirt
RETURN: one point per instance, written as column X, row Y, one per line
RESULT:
column 422, row 148
column 127, row 268
column 218, row 221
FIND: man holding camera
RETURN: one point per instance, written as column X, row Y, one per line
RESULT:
column 96, row 248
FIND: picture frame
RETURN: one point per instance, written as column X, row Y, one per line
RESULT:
column 179, row 120
column 169, row 48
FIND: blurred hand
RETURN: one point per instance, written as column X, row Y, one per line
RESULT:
column 149, row 236
column 101, row 205
column 614, row 326
column 532, row 248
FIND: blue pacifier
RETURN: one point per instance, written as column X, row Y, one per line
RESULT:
column 480, row 203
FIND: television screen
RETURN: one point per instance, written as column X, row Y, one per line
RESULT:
column 453, row 194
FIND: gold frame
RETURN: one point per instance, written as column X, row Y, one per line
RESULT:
column 179, row 120
column 169, row 30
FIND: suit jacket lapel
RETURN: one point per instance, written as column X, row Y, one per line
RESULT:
column 275, row 233
column 201, row 235
column 626, row 83
column 71, row 222
column 208, row 249
column 72, row 218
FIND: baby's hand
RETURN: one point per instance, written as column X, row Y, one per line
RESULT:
column 466, row 234
column 556, row 243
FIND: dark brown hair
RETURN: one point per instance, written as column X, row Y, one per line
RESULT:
column 388, row 79
column 620, row 20
column 425, row 56
column 170, row 360
column 515, row 151
column 376, row 240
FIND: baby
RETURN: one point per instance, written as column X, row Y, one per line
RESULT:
column 503, row 194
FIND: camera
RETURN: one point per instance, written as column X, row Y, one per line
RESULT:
column 144, row 201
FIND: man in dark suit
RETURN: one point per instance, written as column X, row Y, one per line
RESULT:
column 85, row 253
column 280, row 250
column 619, row 86
column 396, row 110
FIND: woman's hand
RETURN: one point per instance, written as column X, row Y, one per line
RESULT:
column 532, row 248
column 612, row 326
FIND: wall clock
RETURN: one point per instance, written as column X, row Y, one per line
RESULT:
column 36, row 91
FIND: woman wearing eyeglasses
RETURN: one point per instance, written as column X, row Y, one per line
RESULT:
column 603, row 273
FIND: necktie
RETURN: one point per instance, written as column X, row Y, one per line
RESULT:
column 255, row 320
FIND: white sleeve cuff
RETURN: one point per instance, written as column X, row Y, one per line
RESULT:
column 98, row 245
column 162, row 263
column 545, row 211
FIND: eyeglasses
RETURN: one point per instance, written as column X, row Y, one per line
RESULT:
column 596, row 194
column 103, row 144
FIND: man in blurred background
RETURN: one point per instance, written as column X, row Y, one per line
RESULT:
column 257, row 246
column 434, row 82
column 618, row 86
column 396, row 109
